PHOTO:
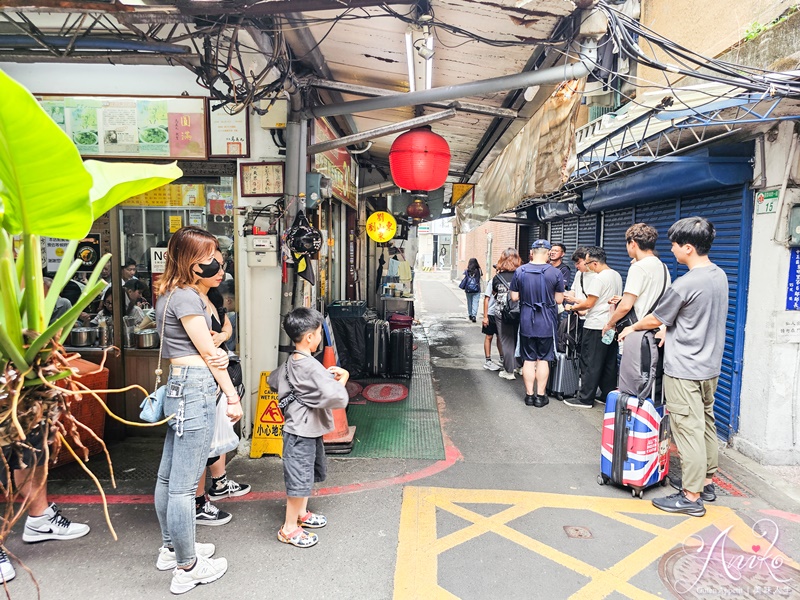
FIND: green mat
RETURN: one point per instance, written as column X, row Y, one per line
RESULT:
column 406, row 429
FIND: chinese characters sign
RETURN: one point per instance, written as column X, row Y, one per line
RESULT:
column 131, row 127
column 793, row 288
column 228, row 133
column 336, row 164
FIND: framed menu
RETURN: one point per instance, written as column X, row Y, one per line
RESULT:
column 229, row 134
column 131, row 127
column 261, row 178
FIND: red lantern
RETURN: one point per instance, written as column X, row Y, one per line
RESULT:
column 418, row 209
column 419, row 160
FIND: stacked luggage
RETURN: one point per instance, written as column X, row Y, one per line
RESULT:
column 635, row 441
column 388, row 353
column 564, row 376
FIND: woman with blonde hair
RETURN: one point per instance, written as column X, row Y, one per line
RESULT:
column 507, row 326
column 197, row 368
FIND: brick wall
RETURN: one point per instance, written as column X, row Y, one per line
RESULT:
column 474, row 244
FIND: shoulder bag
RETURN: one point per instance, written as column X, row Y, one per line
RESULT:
column 153, row 406
column 291, row 396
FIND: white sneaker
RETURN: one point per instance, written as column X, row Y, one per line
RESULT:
column 7, row 571
column 205, row 570
column 506, row 375
column 52, row 525
column 166, row 557
column 491, row 366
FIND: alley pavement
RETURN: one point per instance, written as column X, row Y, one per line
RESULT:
column 514, row 511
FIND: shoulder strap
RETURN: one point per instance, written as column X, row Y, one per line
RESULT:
column 158, row 370
column 663, row 289
column 583, row 289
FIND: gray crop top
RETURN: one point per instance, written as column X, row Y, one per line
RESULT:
column 184, row 302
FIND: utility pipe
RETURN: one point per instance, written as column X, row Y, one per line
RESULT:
column 369, row 134
column 782, row 195
column 24, row 41
column 378, row 188
column 453, row 92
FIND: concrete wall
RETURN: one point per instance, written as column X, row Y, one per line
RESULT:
column 689, row 23
column 475, row 243
column 769, row 429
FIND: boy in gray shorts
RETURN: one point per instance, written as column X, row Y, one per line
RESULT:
column 307, row 392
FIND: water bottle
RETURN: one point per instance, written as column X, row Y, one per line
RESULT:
column 608, row 337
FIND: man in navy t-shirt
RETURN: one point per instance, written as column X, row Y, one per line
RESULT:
column 539, row 288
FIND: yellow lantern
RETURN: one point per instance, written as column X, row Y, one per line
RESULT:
column 381, row 226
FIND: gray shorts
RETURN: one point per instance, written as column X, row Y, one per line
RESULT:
column 304, row 464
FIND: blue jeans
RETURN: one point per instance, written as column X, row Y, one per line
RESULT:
column 191, row 396
column 472, row 303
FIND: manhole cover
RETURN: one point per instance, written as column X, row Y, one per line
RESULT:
column 577, row 532
column 385, row 392
column 716, row 571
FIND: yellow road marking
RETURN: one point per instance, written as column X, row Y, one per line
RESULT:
column 416, row 574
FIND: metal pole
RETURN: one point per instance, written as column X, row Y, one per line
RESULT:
column 291, row 191
column 369, row 134
column 453, row 92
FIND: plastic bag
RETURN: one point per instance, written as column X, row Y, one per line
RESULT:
column 225, row 438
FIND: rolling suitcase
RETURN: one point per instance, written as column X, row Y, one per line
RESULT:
column 635, row 441
column 401, row 353
column 377, row 348
column 563, row 380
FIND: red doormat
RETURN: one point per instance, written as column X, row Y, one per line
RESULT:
column 385, row 392
column 354, row 388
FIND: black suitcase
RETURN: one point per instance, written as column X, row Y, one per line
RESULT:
column 564, row 372
column 401, row 353
column 377, row 350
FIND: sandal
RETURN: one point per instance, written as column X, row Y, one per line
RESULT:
column 298, row 538
column 312, row 521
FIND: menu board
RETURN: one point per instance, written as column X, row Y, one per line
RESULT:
column 121, row 127
column 190, row 194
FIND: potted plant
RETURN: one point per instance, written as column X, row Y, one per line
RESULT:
column 47, row 190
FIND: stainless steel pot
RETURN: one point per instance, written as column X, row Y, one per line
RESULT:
column 83, row 336
column 147, row 338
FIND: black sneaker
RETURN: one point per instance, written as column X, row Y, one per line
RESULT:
column 541, row 401
column 709, row 493
column 208, row 514
column 679, row 503
column 228, row 488
column 530, row 399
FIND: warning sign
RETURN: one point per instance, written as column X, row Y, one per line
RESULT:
column 268, row 427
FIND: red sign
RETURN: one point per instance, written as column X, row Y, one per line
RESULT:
column 336, row 164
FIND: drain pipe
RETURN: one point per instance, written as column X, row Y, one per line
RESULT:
column 453, row 92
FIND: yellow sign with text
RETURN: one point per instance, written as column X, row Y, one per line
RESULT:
column 268, row 425
column 175, row 223
column 460, row 190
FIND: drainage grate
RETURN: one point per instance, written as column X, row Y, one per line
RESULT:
column 577, row 532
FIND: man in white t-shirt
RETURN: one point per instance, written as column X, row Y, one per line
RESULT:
column 598, row 361
column 648, row 277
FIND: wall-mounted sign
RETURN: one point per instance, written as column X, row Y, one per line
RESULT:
column 336, row 164
column 766, row 202
column 175, row 223
column 131, row 127
column 54, row 250
column 261, row 178
column 189, row 194
column 793, row 287
column 228, row 133
column 787, row 328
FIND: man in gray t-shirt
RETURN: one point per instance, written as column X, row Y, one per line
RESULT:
column 694, row 310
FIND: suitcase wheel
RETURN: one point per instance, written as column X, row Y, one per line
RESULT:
column 664, row 482
column 602, row 479
column 559, row 396
column 637, row 493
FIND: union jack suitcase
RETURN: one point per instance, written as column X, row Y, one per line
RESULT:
column 635, row 443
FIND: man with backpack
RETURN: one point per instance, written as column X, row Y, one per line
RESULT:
column 648, row 277
column 694, row 309
column 598, row 356
column 539, row 288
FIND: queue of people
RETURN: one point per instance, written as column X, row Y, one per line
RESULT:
column 689, row 313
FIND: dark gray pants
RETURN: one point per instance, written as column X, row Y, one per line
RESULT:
column 507, row 334
column 598, row 366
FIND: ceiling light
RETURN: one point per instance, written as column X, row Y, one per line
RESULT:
column 424, row 48
column 531, row 92
column 410, row 61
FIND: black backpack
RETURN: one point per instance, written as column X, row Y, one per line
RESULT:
column 509, row 309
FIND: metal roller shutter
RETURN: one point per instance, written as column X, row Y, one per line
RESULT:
column 615, row 224
column 570, row 240
column 661, row 216
column 556, row 232
column 730, row 212
column 587, row 230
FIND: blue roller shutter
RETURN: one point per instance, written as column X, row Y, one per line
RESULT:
column 570, row 240
column 615, row 224
column 730, row 212
column 587, row 230
column 661, row 215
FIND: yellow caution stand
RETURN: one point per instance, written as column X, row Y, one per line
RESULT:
column 268, row 425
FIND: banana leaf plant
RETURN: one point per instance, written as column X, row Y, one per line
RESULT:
column 46, row 190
